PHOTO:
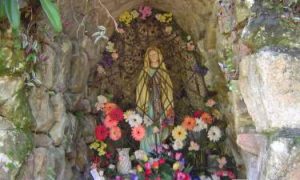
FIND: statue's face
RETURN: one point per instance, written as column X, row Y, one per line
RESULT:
column 153, row 57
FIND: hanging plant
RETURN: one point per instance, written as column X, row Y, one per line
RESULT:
column 11, row 10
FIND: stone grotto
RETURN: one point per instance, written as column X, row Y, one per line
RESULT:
column 149, row 89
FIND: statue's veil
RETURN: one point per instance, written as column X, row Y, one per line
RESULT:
column 142, row 93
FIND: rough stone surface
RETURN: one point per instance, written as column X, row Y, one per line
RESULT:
column 42, row 140
column 268, row 28
column 282, row 159
column 61, row 119
column 45, row 69
column 79, row 73
column 41, row 109
column 14, row 147
column 8, row 87
column 269, row 83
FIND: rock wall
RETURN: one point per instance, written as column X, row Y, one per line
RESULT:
column 257, row 48
column 251, row 51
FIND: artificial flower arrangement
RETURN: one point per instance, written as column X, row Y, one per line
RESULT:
column 182, row 156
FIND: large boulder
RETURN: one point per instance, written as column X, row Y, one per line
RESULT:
column 44, row 163
column 15, row 145
column 13, row 102
column 270, row 86
column 282, row 159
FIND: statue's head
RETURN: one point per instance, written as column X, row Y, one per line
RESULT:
column 153, row 57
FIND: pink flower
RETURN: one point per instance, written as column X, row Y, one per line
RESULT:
column 223, row 173
column 147, row 165
column 115, row 133
column 178, row 155
column 145, row 11
column 182, row 176
column 138, row 133
column 222, row 162
column 110, row 122
column 210, row 103
column 114, row 55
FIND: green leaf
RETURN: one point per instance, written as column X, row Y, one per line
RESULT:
column 2, row 9
column 52, row 13
column 12, row 12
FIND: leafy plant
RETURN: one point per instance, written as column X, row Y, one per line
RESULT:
column 10, row 9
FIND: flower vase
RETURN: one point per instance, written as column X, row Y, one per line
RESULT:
column 124, row 163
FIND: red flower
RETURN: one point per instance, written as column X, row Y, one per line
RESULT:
column 198, row 113
column 116, row 114
column 148, row 172
column 108, row 155
column 155, row 165
column 161, row 161
column 101, row 132
column 96, row 160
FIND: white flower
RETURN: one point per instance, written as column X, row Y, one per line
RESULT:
column 101, row 101
column 140, row 154
column 215, row 177
column 214, row 134
column 111, row 166
column 147, row 121
column 200, row 125
column 127, row 114
column 177, row 145
column 135, row 120
column 194, row 146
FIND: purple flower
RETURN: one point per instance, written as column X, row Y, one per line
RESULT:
column 134, row 177
column 107, row 60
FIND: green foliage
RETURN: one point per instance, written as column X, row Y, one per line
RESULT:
column 10, row 9
column 52, row 13
column 2, row 9
column 21, row 149
column 51, row 173
column 12, row 12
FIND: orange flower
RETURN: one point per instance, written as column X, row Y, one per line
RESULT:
column 108, row 107
column 189, row 123
column 207, row 118
column 115, row 133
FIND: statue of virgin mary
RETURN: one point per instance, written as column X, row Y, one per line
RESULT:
column 154, row 97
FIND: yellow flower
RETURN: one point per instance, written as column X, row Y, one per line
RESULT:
column 126, row 17
column 101, row 152
column 139, row 168
column 134, row 14
column 176, row 166
column 179, row 133
column 145, row 158
column 94, row 145
column 103, row 145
